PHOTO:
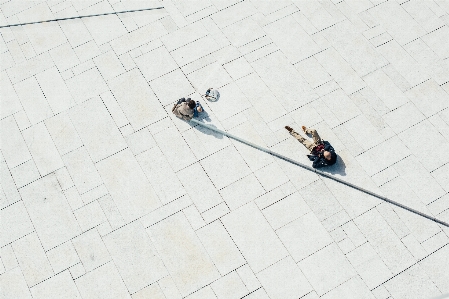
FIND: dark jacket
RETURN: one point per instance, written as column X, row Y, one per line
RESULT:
column 318, row 158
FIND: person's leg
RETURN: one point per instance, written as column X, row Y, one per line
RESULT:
column 316, row 138
column 309, row 145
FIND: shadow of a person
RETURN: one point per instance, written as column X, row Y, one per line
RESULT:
column 338, row 168
column 202, row 117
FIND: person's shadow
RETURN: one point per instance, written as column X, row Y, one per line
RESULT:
column 338, row 168
column 203, row 117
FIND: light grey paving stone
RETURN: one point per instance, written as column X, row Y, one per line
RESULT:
column 91, row 250
column 86, row 52
column 404, row 64
column 215, row 212
column 105, row 29
column 205, row 292
column 169, row 288
column 336, row 220
column 49, row 211
column 363, row 131
column 42, row 149
column 104, row 281
column 90, row 216
column 164, row 85
column 211, row 75
column 249, row 279
column 32, row 259
column 126, row 130
column 62, row 257
column 45, row 36
column 384, row 241
column 354, row 234
column 220, row 247
column 254, row 158
column 438, row 206
column 238, row 68
column 320, row 200
column 82, row 170
column 134, row 256
column 64, row 57
column 64, row 179
column 420, row 139
column 271, row 176
column 313, row 71
column 346, row 245
column 403, row 117
column 320, row 269
column 109, row 65
column 378, row 158
column 415, row 248
column 233, row 14
column 97, row 129
column 33, row 100
column 151, row 291
column 86, row 85
column 10, row 100
column 94, row 194
column 297, row 236
column 185, row 258
column 229, row 286
column 242, row 192
column 8, row 257
column 111, row 211
column 25, row 173
column 412, row 283
column 73, row 198
column 77, row 271
column 166, row 211
column 258, row 294
column 385, row 89
column 238, row 37
column 162, row 178
column 340, row 70
column 271, row 197
column 353, row 201
column 429, row 92
column 435, row 242
column 216, row 167
column 434, row 266
column 205, row 197
column 419, row 179
column 390, row 215
column 114, row 109
column 298, row 176
column 353, row 287
column 76, row 32
column 194, row 50
column 438, row 122
column 29, row 68
column 133, row 104
column 15, row 223
column 174, row 148
column 8, row 186
column 184, row 36
column 406, row 30
column 194, row 217
column 254, row 238
column 285, row 273
column 286, row 90
column 55, row 90
column 128, row 186
column 437, row 42
column 14, row 284
column 16, row 52
column 156, row 63
column 59, row 286
column 134, row 39
column 286, row 210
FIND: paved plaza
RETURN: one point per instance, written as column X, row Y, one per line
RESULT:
column 106, row 194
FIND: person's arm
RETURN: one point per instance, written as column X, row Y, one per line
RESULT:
column 328, row 147
column 317, row 163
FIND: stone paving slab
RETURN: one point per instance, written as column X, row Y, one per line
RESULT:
column 106, row 194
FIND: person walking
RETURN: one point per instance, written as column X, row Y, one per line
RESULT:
column 321, row 152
